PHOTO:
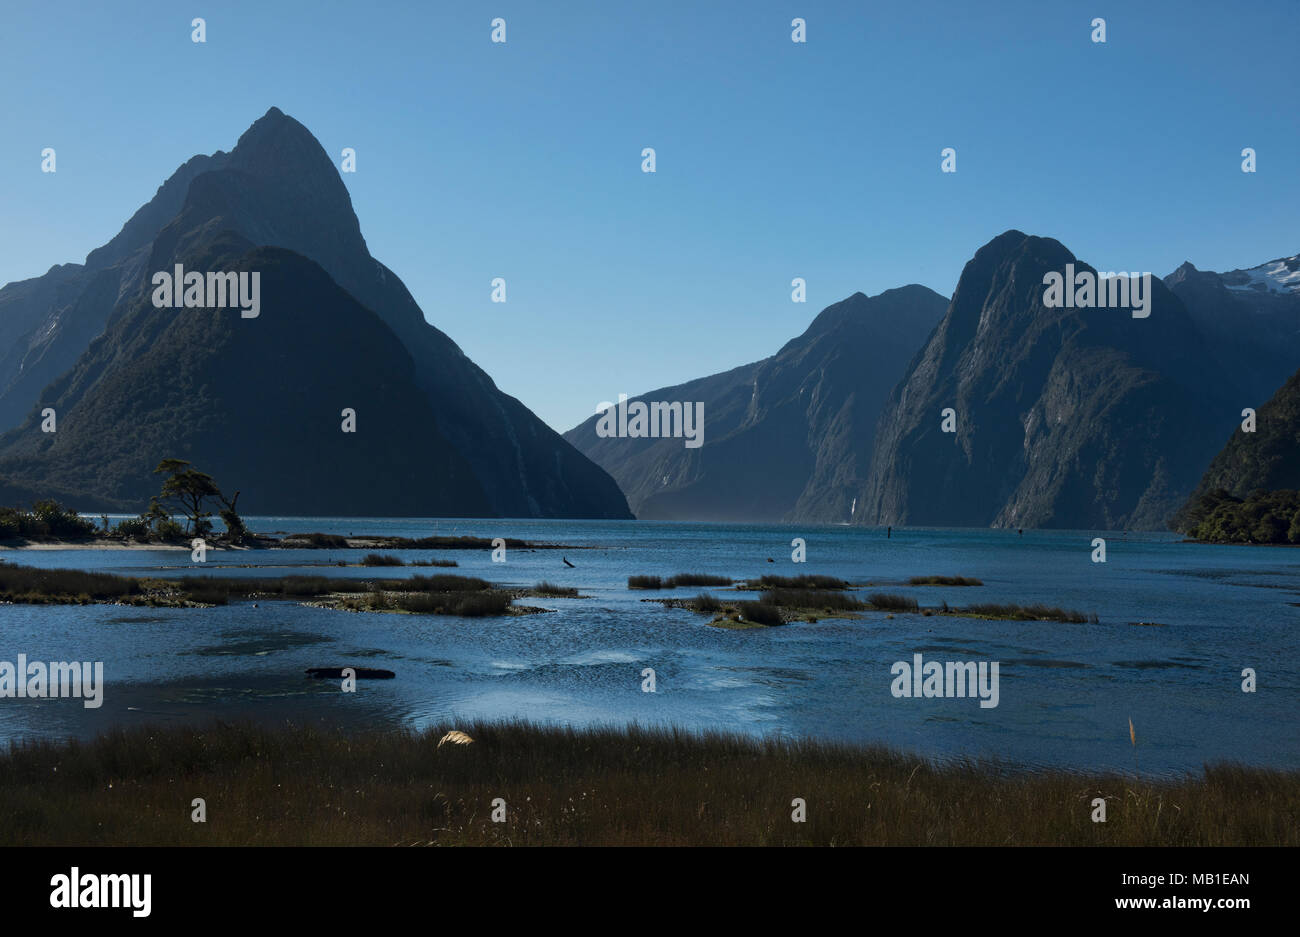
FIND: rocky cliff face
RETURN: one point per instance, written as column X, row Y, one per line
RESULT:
column 1063, row 417
column 786, row 438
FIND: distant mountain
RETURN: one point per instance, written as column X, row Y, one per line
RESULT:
column 1064, row 417
column 787, row 438
column 486, row 453
column 1251, row 317
column 1268, row 458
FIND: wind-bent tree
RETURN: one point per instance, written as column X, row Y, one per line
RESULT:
column 188, row 489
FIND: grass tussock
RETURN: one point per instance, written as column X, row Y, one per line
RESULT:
column 812, row 599
column 672, row 582
column 761, row 613
column 1036, row 612
column 704, row 603
column 802, row 582
column 892, row 603
column 563, row 786
column 696, row 579
column 460, row 604
column 551, row 589
column 382, row 559
column 944, row 581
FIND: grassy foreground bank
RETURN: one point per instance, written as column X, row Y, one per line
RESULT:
column 594, row 787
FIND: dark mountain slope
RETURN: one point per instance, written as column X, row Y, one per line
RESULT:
column 255, row 402
column 47, row 322
column 786, row 438
column 279, row 188
column 1251, row 318
column 1268, row 458
column 1076, row 418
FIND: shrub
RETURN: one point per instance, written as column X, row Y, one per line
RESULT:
column 62, row 522
column 760, row 613
column 132, row 528
column 236, row 530
column 168, row 531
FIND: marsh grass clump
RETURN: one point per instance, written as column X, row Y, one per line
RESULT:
column 704, row 603
column 382, row 559
column 761, row 613
column 943, row 581
column 812, row 599
column 551, row 589
column 892, row 603
column 316, row 541
column 802, row 582
column 29, row 584
column 441, row 582
column 208, row 596
column 461, row 604
column 1036, row 612
column 455, row 543
column 696, row 579
column 672, row 582
column 432, row 562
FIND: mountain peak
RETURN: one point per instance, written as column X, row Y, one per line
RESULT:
column 277, row 137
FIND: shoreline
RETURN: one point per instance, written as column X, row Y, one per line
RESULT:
column 367, row 542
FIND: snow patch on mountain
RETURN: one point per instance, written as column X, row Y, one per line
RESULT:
column 1276, row 276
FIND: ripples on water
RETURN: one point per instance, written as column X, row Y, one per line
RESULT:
column 1066, row 691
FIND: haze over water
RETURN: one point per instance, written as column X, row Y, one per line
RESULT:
column 1067, row 691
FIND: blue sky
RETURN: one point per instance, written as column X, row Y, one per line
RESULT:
column 775, row 159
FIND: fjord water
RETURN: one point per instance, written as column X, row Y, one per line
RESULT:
column 1067, row 691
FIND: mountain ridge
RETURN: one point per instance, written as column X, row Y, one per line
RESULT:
column 278, row 188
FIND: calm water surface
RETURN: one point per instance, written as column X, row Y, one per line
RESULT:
column 1066, row 691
